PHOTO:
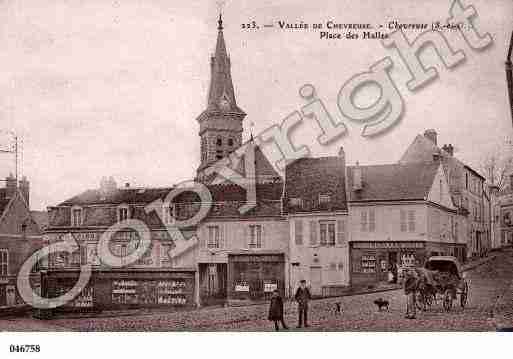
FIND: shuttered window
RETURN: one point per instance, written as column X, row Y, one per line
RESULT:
column 403, row 220
column 213, row 237
column 4, row 262
column 313, row 233
column 298, row 232
column 372, row 220
column 341, row 232
column 411, row 221
column 363, row 221
column 255, row 236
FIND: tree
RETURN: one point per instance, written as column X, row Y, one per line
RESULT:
column 497, row 166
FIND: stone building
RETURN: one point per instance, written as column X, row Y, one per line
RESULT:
column 20, row 237
column 466, row 187
column 316, row 208
column 400, row 214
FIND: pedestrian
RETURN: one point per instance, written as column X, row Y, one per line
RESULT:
column 410, row 289
column 276, row 310
column 302, row 297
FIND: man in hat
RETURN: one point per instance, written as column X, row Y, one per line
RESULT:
column 302, row 297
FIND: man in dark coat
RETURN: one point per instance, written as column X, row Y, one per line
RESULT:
column 302, row 297
column 411, row 281
column 276, row 310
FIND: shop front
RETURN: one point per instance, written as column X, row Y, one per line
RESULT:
column 255, row 276
column 372, row 261
column 123, row 289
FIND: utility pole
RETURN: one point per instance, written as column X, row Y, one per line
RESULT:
column 509, row 75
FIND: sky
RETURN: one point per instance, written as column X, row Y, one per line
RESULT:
column 113, row 88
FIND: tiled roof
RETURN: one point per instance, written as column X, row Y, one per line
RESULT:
column 41, row 218
column 393, row 182
column 307, row 178
column 119, row 196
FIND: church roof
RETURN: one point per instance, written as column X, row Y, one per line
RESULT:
column 221, row 85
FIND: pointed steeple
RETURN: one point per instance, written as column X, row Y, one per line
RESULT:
column 509, row 74
column 221, row 95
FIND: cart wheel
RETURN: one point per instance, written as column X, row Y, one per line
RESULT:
column 464, row 296
column 447, row 301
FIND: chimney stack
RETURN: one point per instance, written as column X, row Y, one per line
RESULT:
column 357, row 177
column 25, row 190
column 10, row 186
column 431, row 135
column 449, row 149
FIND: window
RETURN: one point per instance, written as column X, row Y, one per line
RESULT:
column 441, row 191
column 76, row 216
column 4, row 262
column 368, row 220
column 411, row 220
column 402, row 220
column 122, row 213
column 219, row 141
column 324, row 199
column 219, row 154
column 298, row 232
column 313, row 233
column 327, row 231
column 368, row 264
column 363, row 221
column 213, row 237
column 341, row 232
column 296, row 202
column 230, row 142
column 372, row 220
column 456, row 231
column 168, row 211
column 255, row 236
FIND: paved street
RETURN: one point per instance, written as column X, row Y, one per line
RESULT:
column 490, row 306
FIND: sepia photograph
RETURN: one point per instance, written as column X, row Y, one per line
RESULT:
column 208, row 166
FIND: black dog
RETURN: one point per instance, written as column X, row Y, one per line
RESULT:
column 338, row 308
column 381, row 303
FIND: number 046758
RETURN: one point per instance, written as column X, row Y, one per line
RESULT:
column 24, row 348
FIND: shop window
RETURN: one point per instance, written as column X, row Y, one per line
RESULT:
column 368, row 264
column 123, row 213
column 255, row 236
column 298, row 232
column 296, row 202
column 4, row 262
column 76, row 216
column 327, row 233
column 213, row 237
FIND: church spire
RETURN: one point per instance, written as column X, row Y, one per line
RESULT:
column 221, row 95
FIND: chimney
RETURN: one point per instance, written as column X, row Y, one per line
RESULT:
column 342, row 155
column 10, row 186
column 357, row 177
column 25, row 190
column 449, row 149
column 431, row 135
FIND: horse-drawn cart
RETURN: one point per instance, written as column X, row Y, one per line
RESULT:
column 441, row 277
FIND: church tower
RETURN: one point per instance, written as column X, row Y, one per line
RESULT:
column 221, row 122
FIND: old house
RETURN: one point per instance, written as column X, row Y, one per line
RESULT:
column 466, row 187
column 400, row 214
column 20, row 237
column 316, row 208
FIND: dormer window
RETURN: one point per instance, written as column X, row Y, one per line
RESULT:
column 168, row 213
column 296, row 202
column 123, row 213
column 324, row 199
column 76, row 216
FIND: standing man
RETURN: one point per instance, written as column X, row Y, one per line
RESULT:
column 410, row 289
column 302, row 297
